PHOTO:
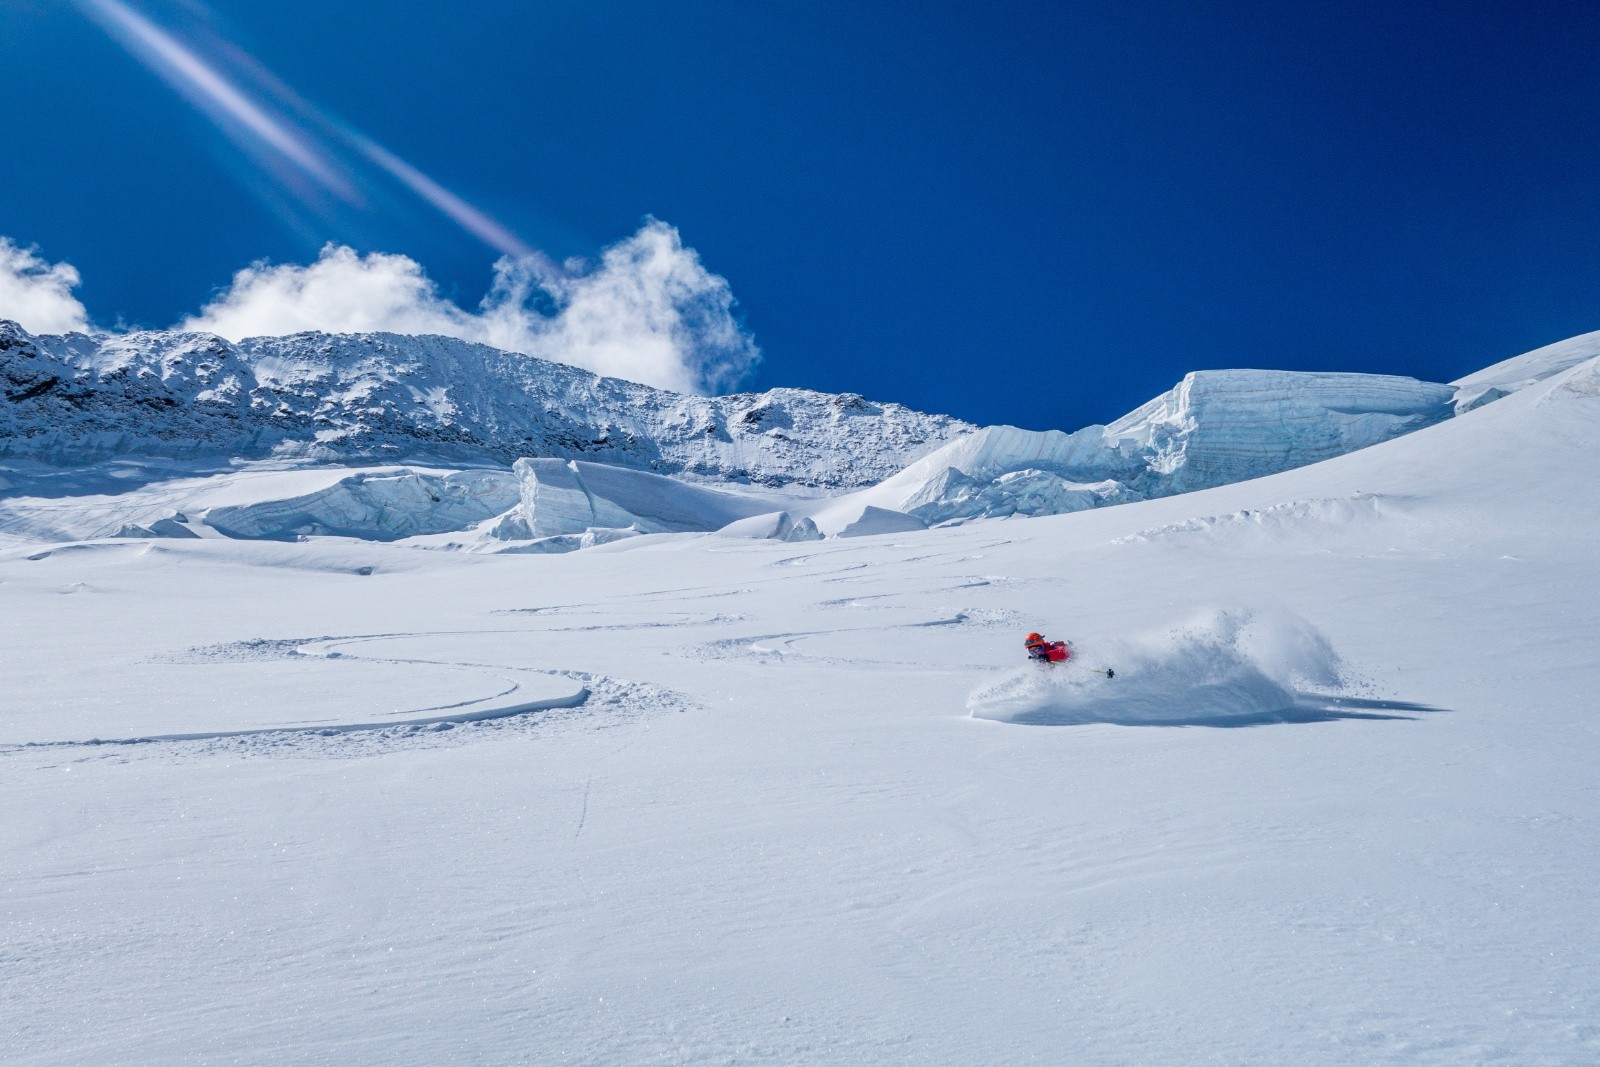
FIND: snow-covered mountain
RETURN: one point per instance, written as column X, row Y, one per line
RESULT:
column 73, row 399
column 338, row 411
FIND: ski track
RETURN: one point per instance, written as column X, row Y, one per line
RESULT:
column 609, row 697
column 583, row 812
column 608, row 702
column 778, row 647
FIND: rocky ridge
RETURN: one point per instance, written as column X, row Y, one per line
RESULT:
column 73, row 399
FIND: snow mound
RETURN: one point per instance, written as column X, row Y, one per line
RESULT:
column 570, row 497
column 773, row 526
column 377, row 506
column 1226, row 668
column 1279, row 520
column 569, row 542
column 873, row 521
column 175, row 525
column 994, row 450
column 953, row 497
column 980, row 459
column 253, row 502
column 1582, row 382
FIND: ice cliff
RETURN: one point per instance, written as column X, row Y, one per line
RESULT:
column 1216, row 427
column 1212, row 428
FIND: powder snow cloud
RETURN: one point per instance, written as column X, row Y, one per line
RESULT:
column 648, row 310
column 38, row 294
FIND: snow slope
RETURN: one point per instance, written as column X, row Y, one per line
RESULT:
column 1519, row 372
column 812, row 808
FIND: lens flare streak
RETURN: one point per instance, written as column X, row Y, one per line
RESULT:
column 269, row 130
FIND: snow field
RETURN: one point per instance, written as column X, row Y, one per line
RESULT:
column 776, row 832
column 813, row 856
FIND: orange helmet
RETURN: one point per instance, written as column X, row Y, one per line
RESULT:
column 1031, row 638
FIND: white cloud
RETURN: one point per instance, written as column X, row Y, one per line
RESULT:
column 649, row 311
column 38, row 294
column 342, row 292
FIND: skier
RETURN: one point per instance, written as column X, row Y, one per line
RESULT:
column 1048, row 652
column 1042, row 651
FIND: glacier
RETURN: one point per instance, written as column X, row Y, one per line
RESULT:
column 1213, row 428
column 1217, row 427
column 415, row 438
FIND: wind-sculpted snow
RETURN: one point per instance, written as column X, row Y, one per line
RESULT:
column 571, row 497
column 376, row 506
column 953, row 496
column 1001, row 471
column 1583, row 382
column 1284, row 523
column 773, row 526
column 133, row 500
column 1518, row 373
column 1227, row 668
column 873, row 521
column 72, row 399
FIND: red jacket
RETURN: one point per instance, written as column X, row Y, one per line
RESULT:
column 1049, row 651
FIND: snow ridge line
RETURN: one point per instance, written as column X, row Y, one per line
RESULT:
column 77, row 399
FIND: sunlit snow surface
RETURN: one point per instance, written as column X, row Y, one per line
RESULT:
column 768, row 813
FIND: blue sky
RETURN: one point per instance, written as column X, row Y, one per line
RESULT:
column 1040, row 214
